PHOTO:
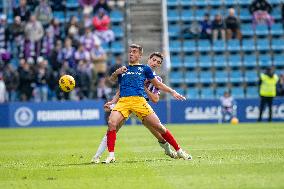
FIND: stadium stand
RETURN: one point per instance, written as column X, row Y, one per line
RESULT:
column 223, row 65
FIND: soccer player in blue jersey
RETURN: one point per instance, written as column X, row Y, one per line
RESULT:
column 154, row 61
column 131, row 80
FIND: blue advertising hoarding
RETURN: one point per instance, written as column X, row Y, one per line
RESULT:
column 91, row 112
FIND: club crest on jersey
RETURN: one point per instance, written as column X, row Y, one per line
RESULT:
column 140, row 69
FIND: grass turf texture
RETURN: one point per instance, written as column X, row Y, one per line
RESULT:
column 225, row 156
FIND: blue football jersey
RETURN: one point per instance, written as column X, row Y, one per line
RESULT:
column 132, row 81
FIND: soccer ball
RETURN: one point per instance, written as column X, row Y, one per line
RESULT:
column 66, row 83
column 234, row 121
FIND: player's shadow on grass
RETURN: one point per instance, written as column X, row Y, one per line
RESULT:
column 72, row 164
column 146, row 160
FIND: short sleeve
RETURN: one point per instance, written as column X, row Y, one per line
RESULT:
column 149, row 73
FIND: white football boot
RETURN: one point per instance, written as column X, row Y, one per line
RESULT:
column 96, row 160
column 168, row 151
column 109, row 159
column 182, row 154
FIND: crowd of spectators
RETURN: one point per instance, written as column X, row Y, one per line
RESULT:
column 47, row 48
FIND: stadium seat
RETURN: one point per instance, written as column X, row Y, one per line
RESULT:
column 59, row 15
column 263, row 44
column 176, row 77
column 116, row 16
column 180, row 90
column 247, row 29
column 229, row 3
column 207, row 92
column 251, row 76
column 205, row 61
column 220, row 61
column 243, row 3
column 200, row 3
column 276, row 29
column 233, row 45
column 176, row 61
column 264, row 60
column 220, row 91
column 221, row 76
column 174, row 30
column 186, row 3
column 245, row 14
column 278, row 60
column 219, row 45
column 172, row 2
column 192, row 93
column 237, row 92
column 191, row 77
column 72, row 4
column 276, row 12
column 117, row 47
column 215, row 3
column 187, row 15
column 250, row 60
column 173, row 15
column 190, row 61
column 252, row 92
column 261, row 30
column 235, row 60
column 277, row 44
column 189, row 46
column 236, row 76
column 118, row 31
column 205, row 77
column 199, row 14
column 204, row 45
column 175, row 46
column 248, row 45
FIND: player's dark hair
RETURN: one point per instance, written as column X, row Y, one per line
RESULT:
column 139, row 47
column 157, row 54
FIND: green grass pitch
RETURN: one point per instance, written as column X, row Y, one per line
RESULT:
column 225, row 156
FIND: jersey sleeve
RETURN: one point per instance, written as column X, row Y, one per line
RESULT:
column 149, row 73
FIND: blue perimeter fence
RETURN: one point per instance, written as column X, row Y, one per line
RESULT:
column 91, row 112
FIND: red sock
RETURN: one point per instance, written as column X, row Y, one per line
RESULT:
column 171, row 140
column 111, row 137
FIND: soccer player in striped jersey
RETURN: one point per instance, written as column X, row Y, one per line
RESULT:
column 131, row 88
column 152, row 93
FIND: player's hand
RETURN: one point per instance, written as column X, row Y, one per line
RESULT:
column 178, row 96
column 107, row 106
column 121, row 70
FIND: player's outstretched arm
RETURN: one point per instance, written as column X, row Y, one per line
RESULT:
column 115, row 74
column 167, row 89
column 152, row 96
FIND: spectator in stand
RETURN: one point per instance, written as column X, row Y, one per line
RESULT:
column 83, row 80
column 116, row 3
column 47, row 43
column 72, row 27
column 233, row 25
column 89, row 40
column 88, row 5
column 82, row 55
column 54, row 28
column 218, row 27
column 261, row 9
column 206, row 28
column 99, row 59
column 65, row 69
column 41, row 79
column 23, row 11
column 33, row 33
column 11, row 78
column 43, row 13
column 267, row 91
column 280, row 85
column 53, row 58
column 67, row 54
column 3, row 31
column 101, row 23
column 26, row 78
column 103, row 91
column 102, row 4
column 86, row 22
column 33, row 4
column 16, row 34
column 2, row 89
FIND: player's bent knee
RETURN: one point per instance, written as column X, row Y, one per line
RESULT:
column 112, row 124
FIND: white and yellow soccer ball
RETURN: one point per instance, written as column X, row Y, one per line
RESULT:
column 67, row 83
